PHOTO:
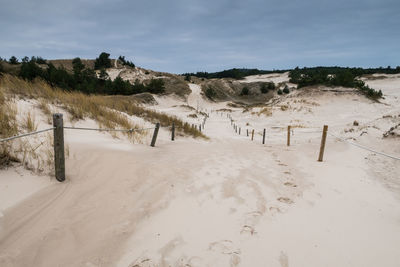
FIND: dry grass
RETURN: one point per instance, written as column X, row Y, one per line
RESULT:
column 108, row 111
column 284, row 107
column 192, row 116
column 188, row 107
column 35, row 153
column 224, row 110
column 45, row 108
column 8, row 127
column 305, row 101
column 30, row 123
column 265, row 111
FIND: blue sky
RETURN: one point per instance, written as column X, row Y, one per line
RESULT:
column 188, row 36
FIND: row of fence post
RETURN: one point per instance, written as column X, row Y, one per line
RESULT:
column 323, row 139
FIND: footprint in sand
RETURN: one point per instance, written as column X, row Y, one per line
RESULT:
column 142, row 263
column 247, row 229
column 274, row 210
column 223, row 247
column 226, row 247
column 284, row 259
column 290, row 184
column 285, row 200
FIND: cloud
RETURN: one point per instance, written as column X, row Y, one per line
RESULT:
column 191, row 35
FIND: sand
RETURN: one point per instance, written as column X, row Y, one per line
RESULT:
column 227, row 201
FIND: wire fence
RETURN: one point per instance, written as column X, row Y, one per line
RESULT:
column 292, row 131
column 58, row 131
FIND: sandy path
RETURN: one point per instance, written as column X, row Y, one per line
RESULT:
column 224, row 202
column 109, row 192
column 194, row 99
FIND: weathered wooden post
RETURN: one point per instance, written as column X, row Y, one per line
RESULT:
column 59, row 156
column 288, row 135
column 323, row 140
column 153, row 140
column 252, row 135
column 239, row 130
column 247, row 132
column 200, row 127
column 173, row 132
column 263, row 137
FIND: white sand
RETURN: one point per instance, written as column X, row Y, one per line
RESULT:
column 223, row 202
column 273, row 77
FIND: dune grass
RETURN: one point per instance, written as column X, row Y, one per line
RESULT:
column 30, row 123
column 108, row 111
column 8, row 127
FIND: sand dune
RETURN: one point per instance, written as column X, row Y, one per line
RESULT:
column 227, row 201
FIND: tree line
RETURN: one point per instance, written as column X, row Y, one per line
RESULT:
column 84, row 79
column 230, row 73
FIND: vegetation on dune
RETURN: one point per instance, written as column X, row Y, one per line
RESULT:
column 126, row 62
column 103, row 61
column 108, row 111
column 336, row 76
column 8, row 127
column 245, row 91
column 231, row 73
column 210, row 93
column 286, row 89
column 265, row 87
column 84, row 79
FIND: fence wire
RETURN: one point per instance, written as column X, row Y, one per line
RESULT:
column 107, row 130
column 26, row 134
column 75, row 128
column 364, row 147
column 320, row 131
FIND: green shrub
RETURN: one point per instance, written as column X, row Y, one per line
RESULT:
column 271, row 85
column 103, row 61
column 210, row 93
column 155, row 86
column 13, row 60
column 245, row 91
column 264, row 89
column 286, row 90
column 126, row 62
column 279, row 92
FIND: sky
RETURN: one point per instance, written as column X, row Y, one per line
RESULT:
column 180, row 36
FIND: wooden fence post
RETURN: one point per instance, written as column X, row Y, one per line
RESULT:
column 239, row 130
column 200, row 127
column 153, row 140
column 247, row 132
column 59, row 156
column 173, row 132
column 288, row 135
column 323, row 140
column 252, row 135
column 263, row 136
